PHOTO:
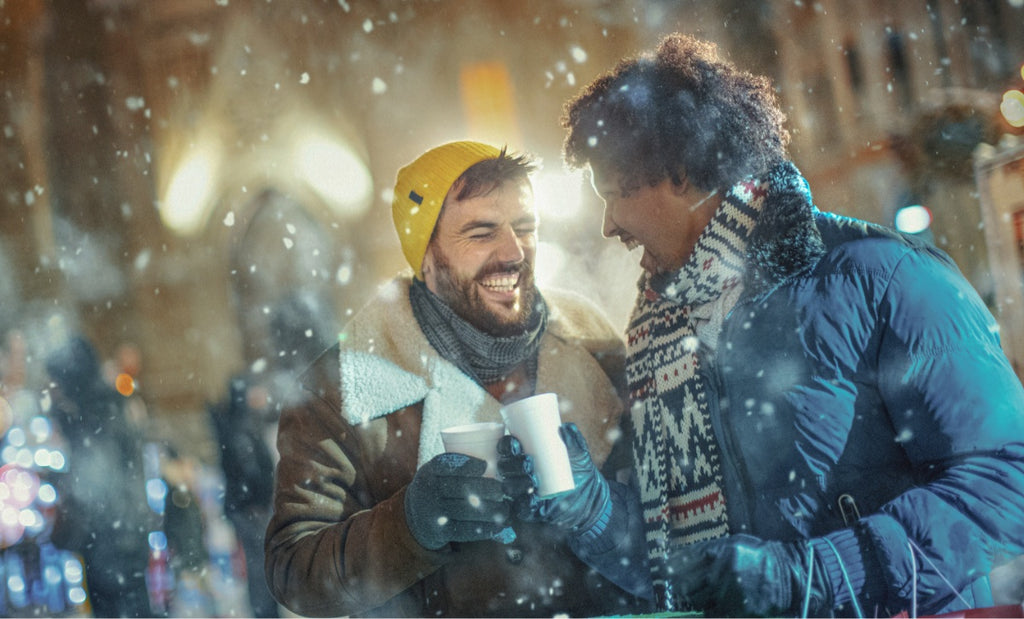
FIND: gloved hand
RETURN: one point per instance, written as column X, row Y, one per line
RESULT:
column 744, row 576
column 449, row 500
column 575, row 510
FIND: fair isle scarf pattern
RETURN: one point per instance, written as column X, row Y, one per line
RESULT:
column 675, row 454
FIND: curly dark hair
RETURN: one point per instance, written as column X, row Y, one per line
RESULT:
column 679, row 111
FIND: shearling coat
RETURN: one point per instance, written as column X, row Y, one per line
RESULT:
column 367, row 414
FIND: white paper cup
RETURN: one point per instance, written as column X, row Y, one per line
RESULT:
column 479, row 440
column 535, row 421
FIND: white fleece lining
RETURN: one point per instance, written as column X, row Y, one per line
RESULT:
column 454, row 399
column 373, row 387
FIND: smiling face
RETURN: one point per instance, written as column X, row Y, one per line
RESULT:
column 480, row 259
column 665, row 219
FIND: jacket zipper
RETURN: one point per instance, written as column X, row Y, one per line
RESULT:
column 738, row 507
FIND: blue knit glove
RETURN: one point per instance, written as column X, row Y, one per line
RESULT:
column 576, row 510
column 744, row 576
column 449, row 500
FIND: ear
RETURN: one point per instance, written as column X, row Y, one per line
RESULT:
column 428, row 261
column 428, row 268
column 679, row 189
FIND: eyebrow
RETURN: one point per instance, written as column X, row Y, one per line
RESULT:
column 490, row 225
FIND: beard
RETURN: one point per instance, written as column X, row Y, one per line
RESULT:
column 462, row 295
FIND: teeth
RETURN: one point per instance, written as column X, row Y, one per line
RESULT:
column 631, row 244
column 501, row 283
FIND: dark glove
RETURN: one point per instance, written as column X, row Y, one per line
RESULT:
column 575, row 510
column 743, row 576
column 449, row 500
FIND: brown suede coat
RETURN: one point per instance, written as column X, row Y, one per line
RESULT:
column 366, row 416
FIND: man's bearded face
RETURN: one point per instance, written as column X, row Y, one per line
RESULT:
column 473, row 300
column 480, row 260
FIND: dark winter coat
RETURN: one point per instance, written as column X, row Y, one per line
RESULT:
column 875, row 377
column 860, row 373
column 102, row 511
column 350, row 444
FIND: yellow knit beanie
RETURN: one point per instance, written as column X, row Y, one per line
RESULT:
column 420, row 189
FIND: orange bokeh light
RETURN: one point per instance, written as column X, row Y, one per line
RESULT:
column 124, row 384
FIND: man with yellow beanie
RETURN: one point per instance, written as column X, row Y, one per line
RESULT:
column 371, row 516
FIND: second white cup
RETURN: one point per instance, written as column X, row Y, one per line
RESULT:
column 479, row 440
column 535, row 421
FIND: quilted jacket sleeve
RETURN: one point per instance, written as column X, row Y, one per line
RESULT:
column 331, row 548
column 957, row 408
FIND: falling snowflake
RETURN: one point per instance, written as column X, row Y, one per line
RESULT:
column 578, row 53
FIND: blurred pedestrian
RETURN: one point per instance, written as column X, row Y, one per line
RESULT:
column 102, row 510
column 248, row 468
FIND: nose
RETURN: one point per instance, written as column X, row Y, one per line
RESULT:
column 510, row 246
column 609, row 228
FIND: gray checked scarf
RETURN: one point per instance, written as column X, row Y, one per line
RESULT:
column 485, row 357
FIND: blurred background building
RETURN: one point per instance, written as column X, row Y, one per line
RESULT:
column 174, row 175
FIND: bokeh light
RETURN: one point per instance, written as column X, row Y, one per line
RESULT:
column 18, row 490
column 335, row 172
column 185, row 204
column 913, row 219
column 124, row 384
column 1012, row 107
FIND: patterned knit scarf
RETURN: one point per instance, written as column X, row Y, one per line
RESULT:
column 675, row 454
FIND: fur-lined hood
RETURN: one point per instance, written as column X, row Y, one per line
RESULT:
column 785, row 241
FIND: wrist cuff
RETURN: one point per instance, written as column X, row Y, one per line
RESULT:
column 854, row 568
column 844, row 564
column 601, row 536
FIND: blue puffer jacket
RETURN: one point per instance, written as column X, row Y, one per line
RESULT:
column 874, row 384
column 859, row 382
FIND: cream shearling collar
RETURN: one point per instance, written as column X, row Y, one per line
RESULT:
column 387, row 364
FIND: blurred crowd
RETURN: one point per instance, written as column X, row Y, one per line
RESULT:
column 101, row 517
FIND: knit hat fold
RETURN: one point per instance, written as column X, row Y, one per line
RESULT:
column 420, row 190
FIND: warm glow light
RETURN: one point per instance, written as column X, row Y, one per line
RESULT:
column 125, row 384
column 549, row 262
column 558, row 196
column 913, row 219
column 489, row 103
column 187, row 201
column 1012, row 107
column 335, row 172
